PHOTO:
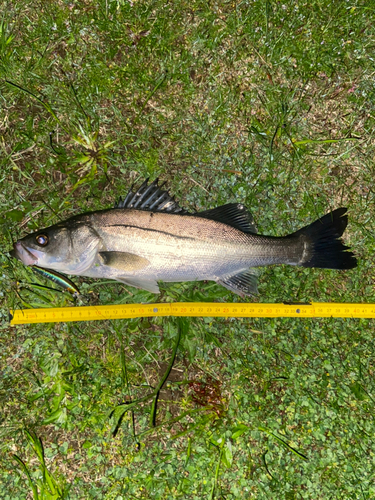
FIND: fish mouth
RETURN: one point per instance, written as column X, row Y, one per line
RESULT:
column 23, row 254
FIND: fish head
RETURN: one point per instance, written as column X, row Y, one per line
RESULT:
column 69, row 248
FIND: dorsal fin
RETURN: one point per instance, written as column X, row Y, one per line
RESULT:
column 151, row 197
column 233, row 214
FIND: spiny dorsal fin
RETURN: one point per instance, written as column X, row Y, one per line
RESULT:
column 233, row 214
column 151, row 197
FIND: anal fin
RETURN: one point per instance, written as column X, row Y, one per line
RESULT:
column 243, row 283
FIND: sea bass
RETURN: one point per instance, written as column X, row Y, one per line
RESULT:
column 148, row 237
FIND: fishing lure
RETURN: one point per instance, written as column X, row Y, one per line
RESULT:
column 59, row 279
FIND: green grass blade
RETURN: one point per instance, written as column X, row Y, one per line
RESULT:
column 26, row 471
column 46, row 105
column 182, row 326
column 284, row 443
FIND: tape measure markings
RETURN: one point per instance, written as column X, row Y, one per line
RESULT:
column 203, row 309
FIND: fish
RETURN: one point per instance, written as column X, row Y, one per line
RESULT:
column 147, row 237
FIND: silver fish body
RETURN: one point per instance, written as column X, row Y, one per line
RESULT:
column 141, row 245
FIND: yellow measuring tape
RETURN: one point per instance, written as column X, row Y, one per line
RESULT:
column 207, row 309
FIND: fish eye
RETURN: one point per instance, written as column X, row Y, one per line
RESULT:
column 42, row 240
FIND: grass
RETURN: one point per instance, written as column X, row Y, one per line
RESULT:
column 268, row 103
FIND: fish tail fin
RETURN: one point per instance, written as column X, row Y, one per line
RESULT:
column 323, row 246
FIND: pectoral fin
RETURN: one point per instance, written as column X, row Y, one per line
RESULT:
column 124, row 261
column 149, row 285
